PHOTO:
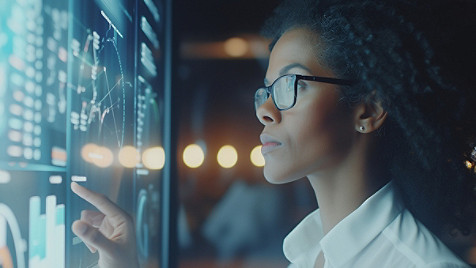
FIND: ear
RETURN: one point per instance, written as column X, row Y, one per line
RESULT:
column 369, row 115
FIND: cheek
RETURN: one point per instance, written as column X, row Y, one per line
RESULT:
column 319, row 118
column 312, row 135
column 323, row 134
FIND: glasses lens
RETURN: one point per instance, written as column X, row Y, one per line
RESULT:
column 261, row 96
column 284, row 92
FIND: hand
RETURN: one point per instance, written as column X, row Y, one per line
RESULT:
column 109, row 231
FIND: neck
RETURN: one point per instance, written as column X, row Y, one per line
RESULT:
column 342, row 190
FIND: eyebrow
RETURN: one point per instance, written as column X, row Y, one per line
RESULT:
column 285, row 70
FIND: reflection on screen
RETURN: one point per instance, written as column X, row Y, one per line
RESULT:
column 81, row 99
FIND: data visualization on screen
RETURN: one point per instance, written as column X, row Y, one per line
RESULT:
column 32, row 219
column 33, row 81
column 81, row 99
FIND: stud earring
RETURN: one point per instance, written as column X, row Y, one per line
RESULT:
column 362, row 128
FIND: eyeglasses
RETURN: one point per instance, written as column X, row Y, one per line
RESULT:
column 283, row 91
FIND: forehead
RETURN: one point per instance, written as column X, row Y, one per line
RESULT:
column 296, row 42
column 299, row 46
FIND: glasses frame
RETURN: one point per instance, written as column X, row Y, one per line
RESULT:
column 297, row 77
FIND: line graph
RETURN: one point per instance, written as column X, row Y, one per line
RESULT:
column 99, row 107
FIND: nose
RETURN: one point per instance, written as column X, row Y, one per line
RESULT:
column 268, row 113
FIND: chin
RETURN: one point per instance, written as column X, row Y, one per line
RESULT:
column 274, row 176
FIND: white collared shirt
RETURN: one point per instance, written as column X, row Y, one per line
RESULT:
column 380, row 233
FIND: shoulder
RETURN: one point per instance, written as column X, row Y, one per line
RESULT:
column 420, row 246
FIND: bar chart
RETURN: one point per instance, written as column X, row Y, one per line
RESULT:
column 47, row 233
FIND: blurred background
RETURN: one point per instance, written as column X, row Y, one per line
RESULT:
column 228, row 215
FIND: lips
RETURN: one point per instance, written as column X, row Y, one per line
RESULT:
column 269, row 143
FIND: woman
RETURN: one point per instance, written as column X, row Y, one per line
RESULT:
column 372, row 102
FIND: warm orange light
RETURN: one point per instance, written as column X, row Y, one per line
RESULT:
column 104, row 157
column 227, row 156
column 58, row 156
column 468, row 164
column 193, row 156
column 129, row 157
column 154, row 158
column 5, row 256
column 236, row 47
column 87, row 152
column 97, row 155
column 471, row 255
column 256, row 157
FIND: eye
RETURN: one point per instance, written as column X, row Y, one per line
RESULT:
column 301, row 85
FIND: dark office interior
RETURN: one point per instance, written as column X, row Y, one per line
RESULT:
column 151, row 104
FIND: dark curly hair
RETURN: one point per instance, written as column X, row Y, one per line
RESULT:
column 418, row 58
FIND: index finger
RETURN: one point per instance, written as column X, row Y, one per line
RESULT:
column 101, row 202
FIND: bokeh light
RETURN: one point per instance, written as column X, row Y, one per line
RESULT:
column 129, row 157
column 256, row 157
column 468, row 164
column 97, row 155
column 227, row 156
column 154, row 158
column 104, row 157
column 193, row 156
column 87, row 152
column 236, row 47
column 471, row 256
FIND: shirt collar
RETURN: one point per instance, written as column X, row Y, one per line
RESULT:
column 301, row 244
column 349, row 236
